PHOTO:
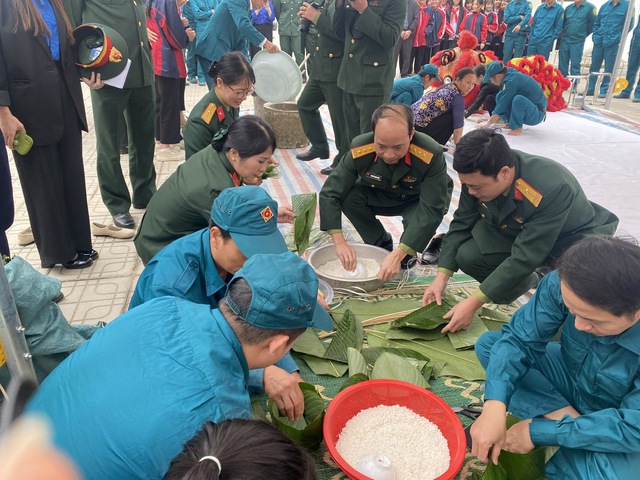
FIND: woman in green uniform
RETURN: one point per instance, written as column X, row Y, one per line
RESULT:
column 182, row 204
column 218, row 109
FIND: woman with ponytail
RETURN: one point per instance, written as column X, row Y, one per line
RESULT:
column 234, row 79
column 182, row 205
column 40, row 96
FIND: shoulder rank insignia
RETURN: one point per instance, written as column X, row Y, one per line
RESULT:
column 421, row 153
column 530, row 193
column 357, row 152
column 207, row 115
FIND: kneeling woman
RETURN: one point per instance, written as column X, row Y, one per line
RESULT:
column 440, row 114
column 182, row 204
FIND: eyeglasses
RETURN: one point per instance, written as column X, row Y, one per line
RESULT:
column 241, row 93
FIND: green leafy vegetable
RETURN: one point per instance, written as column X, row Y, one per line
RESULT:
column 304, row 209
column 425, row 318
column 356, row 362
column 310, row 344
column 372, row 354
column 257, row 412
column 322, row 366
column 414, row 333
column 306, row 430
column 466, row 339
column 357, row 378
column 348, row 334
column 397, row 368
column 271, row 172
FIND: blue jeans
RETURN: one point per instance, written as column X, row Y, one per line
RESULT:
column 570, row 53
column 632, row 71
column 513, row 47
column 541, row 47
column 524, row 112
column 600, row 54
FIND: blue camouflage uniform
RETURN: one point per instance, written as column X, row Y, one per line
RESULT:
column 607, row 33
column 198, row 12
column 185, row 269
column 514, row 41
column 123, row 405
column 407, row 90
column 598, row 375
column 520, row 100
column 632, row 66
column 577, row 26
column 546, row 27
column 229, row 29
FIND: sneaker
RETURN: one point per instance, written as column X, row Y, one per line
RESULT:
column 25, row 237
column 171, row 153
column 191, row 80
column 432, row 252
column 202, row 84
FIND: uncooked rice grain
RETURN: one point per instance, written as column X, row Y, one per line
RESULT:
column 335, row 269
column 416, row 447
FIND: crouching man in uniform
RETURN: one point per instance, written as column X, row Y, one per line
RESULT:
column 391, row 171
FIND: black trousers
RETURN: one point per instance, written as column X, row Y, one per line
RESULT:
column 168, row 104
column 6, row 198
column 402, row 51
column 440, row 128
column 52, row 179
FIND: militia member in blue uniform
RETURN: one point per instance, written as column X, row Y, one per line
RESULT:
column 410, row 89
column 173, row 365
column 370, row 29
column 583, row 393
column 520, row 100
column 579, row 17
column 607, row 34
column 517, row 212
column 390, row 171
column 545, row 28
column 516, row 16
column 633, row 64
column 197, row 267
column 322, row 87
column 134, row 103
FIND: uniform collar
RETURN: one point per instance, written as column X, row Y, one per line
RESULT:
column 232, row 340
column 215, row 285
column 237, row 179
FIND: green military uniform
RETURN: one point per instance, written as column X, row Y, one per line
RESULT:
column 500, row 243
column 367, row 71
column 182, row 205
column 288, row 22
column 136, row 100
column 309, row 44
column 362, row 186
column 205, row 120
column 323, row 87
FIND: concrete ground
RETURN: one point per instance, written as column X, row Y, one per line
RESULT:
column 102, row 292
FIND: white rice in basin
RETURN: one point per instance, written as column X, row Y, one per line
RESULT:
column 416, row 447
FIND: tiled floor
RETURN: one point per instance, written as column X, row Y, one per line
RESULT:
column 102, row 292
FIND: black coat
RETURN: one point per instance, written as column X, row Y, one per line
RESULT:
column 29, row 79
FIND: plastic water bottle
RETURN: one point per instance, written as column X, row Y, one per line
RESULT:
column 376, row 466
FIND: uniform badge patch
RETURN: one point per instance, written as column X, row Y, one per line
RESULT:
column 410, row 179
column 377, row 178
column 518, row 218
column 220, row 113
column 375, row 3
column 207, row 115
column 266, row 214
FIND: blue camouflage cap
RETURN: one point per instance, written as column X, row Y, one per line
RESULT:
column 284, row 291
column 493, row 68
column 250, row 215
column 430, row 69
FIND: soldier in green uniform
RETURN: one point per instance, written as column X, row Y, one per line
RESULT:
column 288, row 23
column 517, row 212
column 136, row 100
column 322, row 87
column 217, row 110
column 370, row 29
column 390, row 171
column 183, row 202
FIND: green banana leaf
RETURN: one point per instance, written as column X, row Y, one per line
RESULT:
column 414, row 333
column 306, row 430
column 394, row 367
column 493, row 472
column 466, row 339
column 357, row 378
column 349, row 334
column 371, row 354
column 310, row 344
column 356, row 362
column 304, row 209
column 425, row 318
column 257, row 412
column 322, row 366
column 463, row 364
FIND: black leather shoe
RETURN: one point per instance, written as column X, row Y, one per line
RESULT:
column 139, row 206
column 327, row 170
column 59, row 298
column 124, row 220
column 409, row 261
column 311, row 155
column 432, row 252
column 386, row 242
column 124, row 150
column 93, row 255
column 79, row 262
